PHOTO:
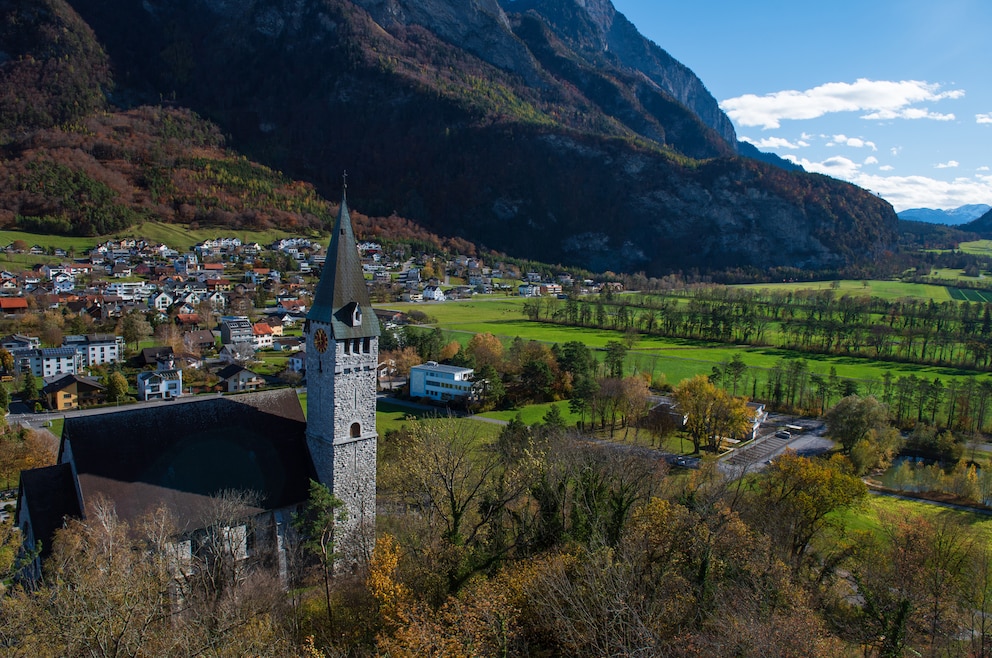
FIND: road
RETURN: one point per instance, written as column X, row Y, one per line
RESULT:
column 42, row 419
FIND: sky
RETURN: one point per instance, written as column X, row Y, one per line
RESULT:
column 892, row 95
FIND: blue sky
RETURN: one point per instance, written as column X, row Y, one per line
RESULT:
column 892, row 95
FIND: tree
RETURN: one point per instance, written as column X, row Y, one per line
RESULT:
column 616, row 353
column 6, row 360
column 797, row 497
column 712, row 414
column 135, row 327
column 485, row 350
column 316, row 525
column 29, row 388
column 854, row 418
column 116, row 386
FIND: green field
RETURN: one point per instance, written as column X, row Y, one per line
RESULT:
column 887, row 290
column 978, row 247
column 670, row 360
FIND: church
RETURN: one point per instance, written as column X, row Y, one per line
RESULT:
column 184, row 455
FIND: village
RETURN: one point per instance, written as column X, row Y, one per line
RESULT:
column 201, row 321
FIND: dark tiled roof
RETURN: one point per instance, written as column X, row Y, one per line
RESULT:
column 85, row 383
column 150, row 355
column 230, row 371
column 50, row 496
column 179, row 455
column 342, row 285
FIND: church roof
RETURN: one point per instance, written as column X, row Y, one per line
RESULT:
column 342, row 285
column 183, row 454
column 50, row 495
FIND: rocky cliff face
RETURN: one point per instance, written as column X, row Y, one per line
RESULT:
column 516, row 129
column 596, row 29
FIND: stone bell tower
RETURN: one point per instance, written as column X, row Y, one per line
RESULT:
column 342, row 342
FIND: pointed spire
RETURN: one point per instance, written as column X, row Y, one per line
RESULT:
column 341, row 298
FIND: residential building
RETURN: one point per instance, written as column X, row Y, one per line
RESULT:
column 96, row 349
column 440, row 382
column 47, row 361
column 163, row 383
column 63, row 392
column 236, row 379
column 236, row 329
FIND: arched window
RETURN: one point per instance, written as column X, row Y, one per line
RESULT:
column 356, row 430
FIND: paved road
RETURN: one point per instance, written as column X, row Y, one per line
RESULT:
column 42, row 419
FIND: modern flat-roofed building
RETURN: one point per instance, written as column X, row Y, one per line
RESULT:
column 440, row 382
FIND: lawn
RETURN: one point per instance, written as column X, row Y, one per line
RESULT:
column 879, row 508
column 535, row 413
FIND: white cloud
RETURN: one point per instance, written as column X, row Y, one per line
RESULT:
column 983, row 118
column 907, row 113
column 854, row 142
column 950, row 164
column 905, row 191
column 870, row 160
column 895, row 150
column 775, row 143
column 982, row 168
column 879, row 97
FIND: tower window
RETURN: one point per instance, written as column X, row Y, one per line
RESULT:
column 356, row 430
column 366, row 344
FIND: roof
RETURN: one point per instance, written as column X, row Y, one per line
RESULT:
column 65, row 381
column 151, row 355
column 181, row 455
column 440, row 367
column 11, row 303
column 50, row 496
column 230, row 371
column 342, row 285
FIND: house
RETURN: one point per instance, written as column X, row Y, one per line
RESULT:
column 178, row 456
column 433, row 294
column 236, row 353
column 163, row 383
column 19, row 341
column 236, row 379
column 298, row 361
column 150, row 356
column 440, row 382
column 261, row 336
column 16, row 305
column 199, row 340
column 63, row 392
column 291, row 306
column 529, row 290
column 287, row 344
column 236, row 329
column 161, row 301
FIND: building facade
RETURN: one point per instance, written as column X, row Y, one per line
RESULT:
column 440, row 382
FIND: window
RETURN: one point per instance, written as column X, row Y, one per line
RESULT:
column 356, row 430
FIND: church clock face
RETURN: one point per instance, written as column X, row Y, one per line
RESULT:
column 320, row 340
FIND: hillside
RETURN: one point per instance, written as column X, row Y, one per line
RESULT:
column 547, row 130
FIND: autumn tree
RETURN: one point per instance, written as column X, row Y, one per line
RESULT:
column 797, row 498
column 485, row 350
column 712, row 414
column 116, row 386
column 135, row 328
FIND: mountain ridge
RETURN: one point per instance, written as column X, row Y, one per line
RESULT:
column 565, row 168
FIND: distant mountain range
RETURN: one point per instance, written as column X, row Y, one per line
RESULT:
column 952, row 217
column 548, row 129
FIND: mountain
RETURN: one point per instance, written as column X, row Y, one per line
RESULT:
column 546, row 129
column 981, row 225
column 952, row 217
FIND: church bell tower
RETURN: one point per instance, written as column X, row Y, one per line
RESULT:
column 342, row 343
